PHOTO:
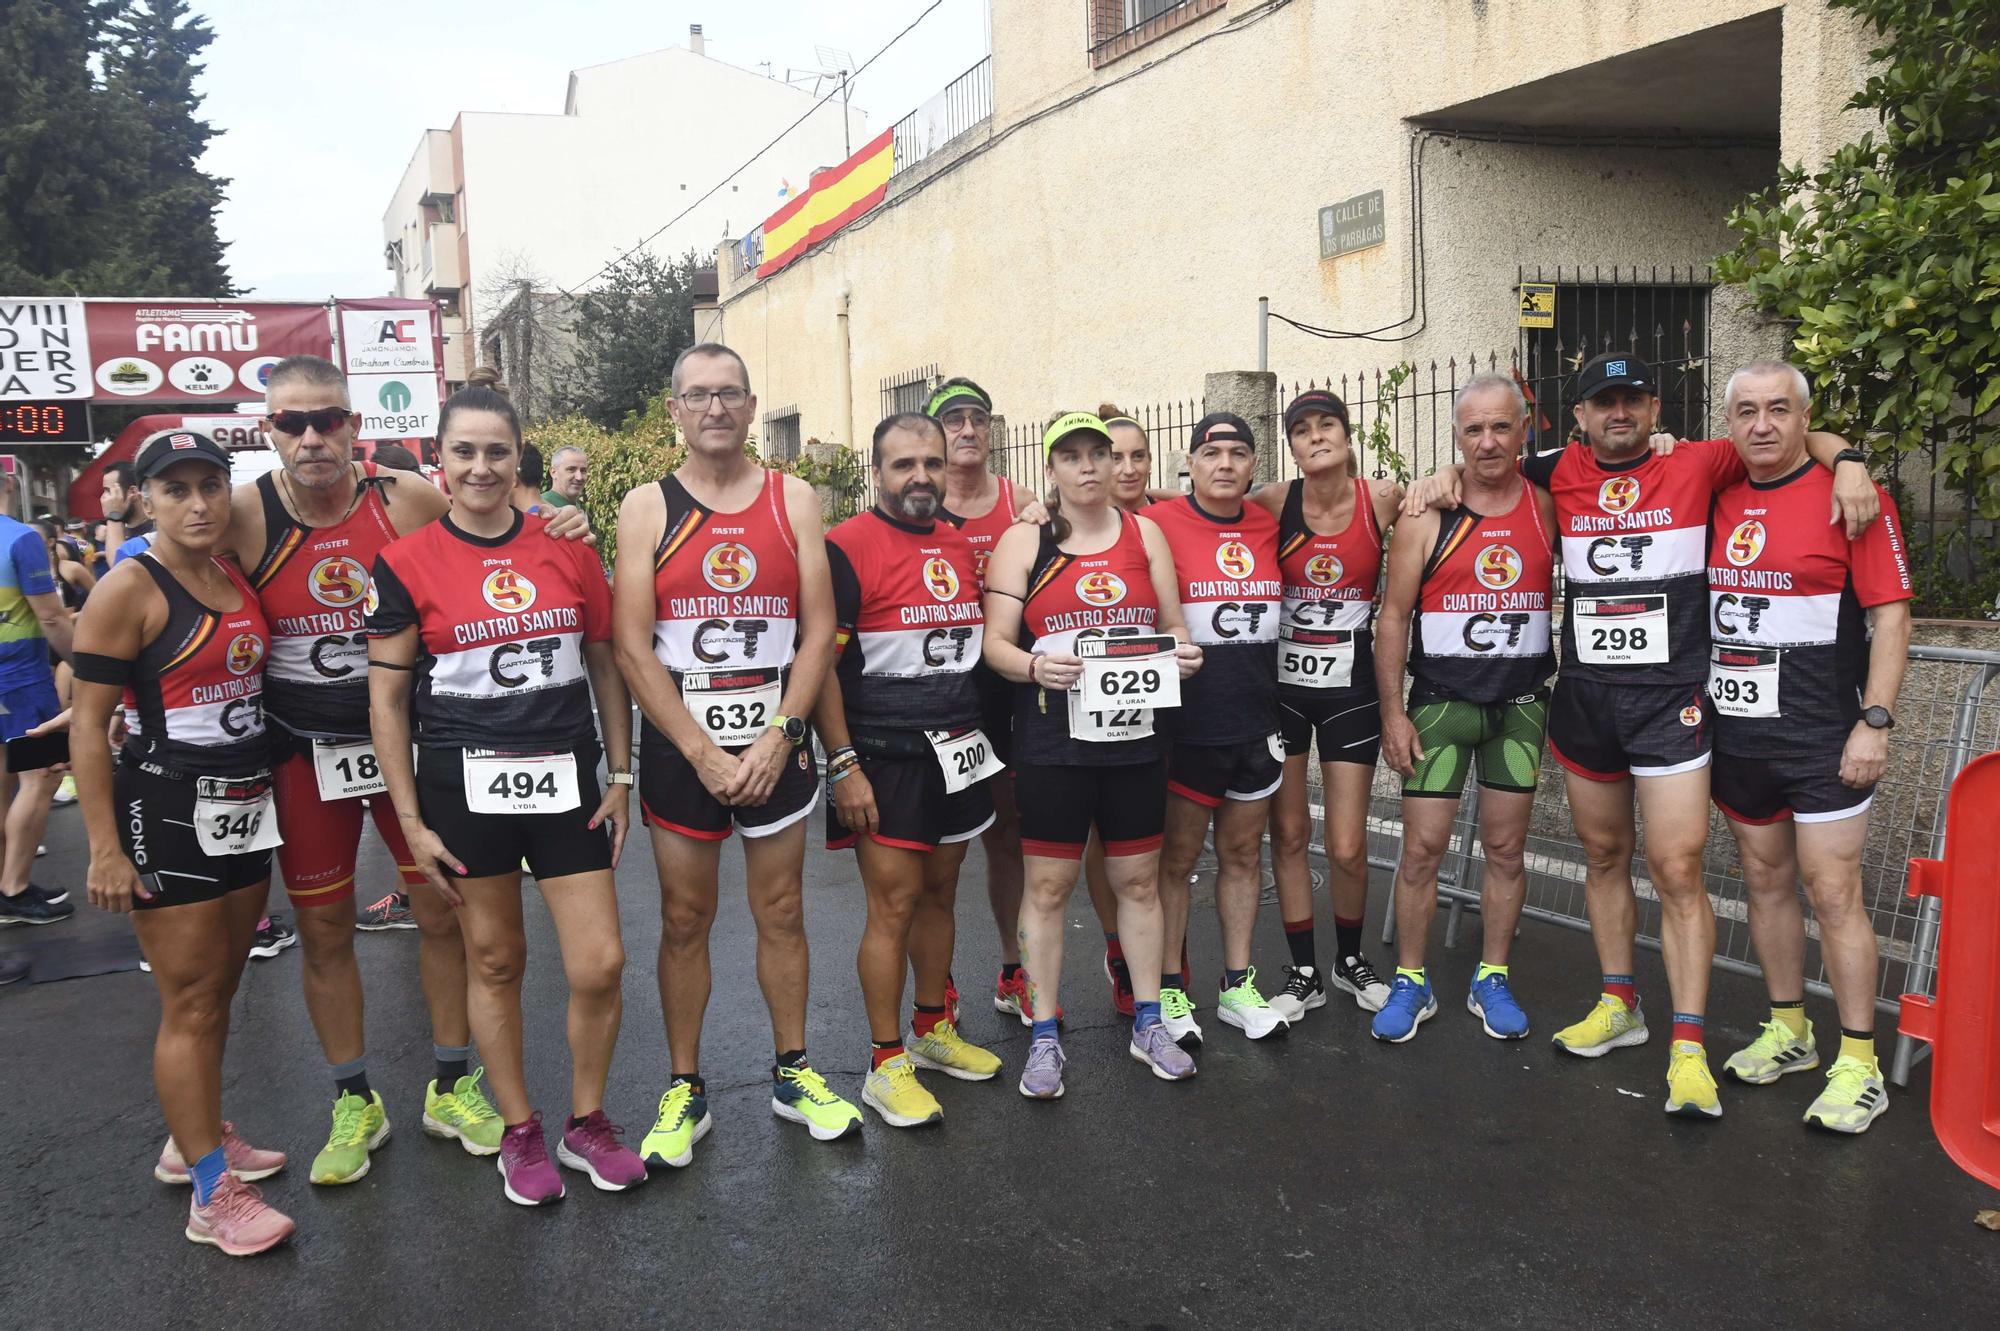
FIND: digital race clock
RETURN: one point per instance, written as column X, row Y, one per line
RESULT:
column 44, row 423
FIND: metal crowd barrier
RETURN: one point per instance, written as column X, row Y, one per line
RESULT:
column 1946, row 716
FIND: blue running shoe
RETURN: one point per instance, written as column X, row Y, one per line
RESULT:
column 1410, row 1005
column 1493, row 1003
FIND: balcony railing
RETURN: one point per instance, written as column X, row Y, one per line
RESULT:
column 965, row 102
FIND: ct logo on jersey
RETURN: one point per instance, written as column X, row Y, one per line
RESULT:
column 1498, row 567
column 1235, row 560
column 507, row 591
column 729, row 567
column 1100, row 589
column 1324, row 570
column 246, row 653
column 940, row 578
column 1745, row 543
column 1618, row 494
column 338, row 582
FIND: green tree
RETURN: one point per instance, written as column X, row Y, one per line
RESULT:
column 629, row 330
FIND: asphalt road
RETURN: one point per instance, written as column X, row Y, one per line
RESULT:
column 1315, row 1180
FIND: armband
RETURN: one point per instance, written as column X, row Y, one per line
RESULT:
column 373, row 664
column 93, row 668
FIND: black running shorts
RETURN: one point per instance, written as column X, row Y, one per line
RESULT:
column 1605, row 732
column 673, row 797
column 554, row 845
column 915, row 812
column 156, row 829
column 1348, row 726
column 1060, row 806
column 1250, row 769
column 996, row 710
column 1770, row 790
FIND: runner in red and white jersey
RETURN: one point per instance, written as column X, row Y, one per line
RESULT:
column 1812, row 633
column 723, row 615
column 1330, row 545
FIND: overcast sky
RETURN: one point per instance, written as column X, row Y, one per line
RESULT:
column 320, row 102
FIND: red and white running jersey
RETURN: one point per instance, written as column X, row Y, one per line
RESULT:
column 1331, row 581
column 908, row 623
column 726, row 585
column 1230, row 593
column 1482, row 620
column 984, row 532
column 503, row 621
column 1787, row 592
column 313, row 582
column 195, row 701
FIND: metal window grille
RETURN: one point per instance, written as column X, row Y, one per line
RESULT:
column 1660, row 315
column 964, row 103
column 1118, row 26
column 1167, row 424
column 781, row 435
column 908, row 391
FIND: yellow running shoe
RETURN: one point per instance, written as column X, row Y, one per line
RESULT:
column 1690, row 1085
column 1854, row 1097
column 894, row 1092
column 1772, row 1054
column 1610, row 1025
column 800, row 1095
column 359, row 1126
column 462, row 1111
column 945, row 1050
column 683, row 1120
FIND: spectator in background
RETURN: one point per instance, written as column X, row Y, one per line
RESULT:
column 396, row 458
column 124, row 520
column 73, row 578
column 568, row 470
column 528, row 479
column 32, row 622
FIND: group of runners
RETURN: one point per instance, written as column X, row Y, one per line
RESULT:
column 1102, row 678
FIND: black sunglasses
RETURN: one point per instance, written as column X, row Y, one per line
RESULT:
column 326, row 420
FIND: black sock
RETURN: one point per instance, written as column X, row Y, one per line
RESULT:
column 791, row 1058
column 693, row 1079
column 1230, row 978
column 1009, row 969
column 448, row 1073
column 1347, row 937
column 574, row 1123
column 1299, row 941
column 355, row 1085
column 934, row 1011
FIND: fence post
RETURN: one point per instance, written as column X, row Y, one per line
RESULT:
column 1253, row 395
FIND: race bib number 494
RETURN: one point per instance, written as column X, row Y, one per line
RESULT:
column 521, row 783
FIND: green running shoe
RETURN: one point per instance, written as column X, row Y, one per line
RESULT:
column 802, row 1096
column 359, row 1126
column 1772, row 1054
column 464, row 1112
column 683, row 1121
column 1245, row 1009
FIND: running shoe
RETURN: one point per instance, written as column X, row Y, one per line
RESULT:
column 273, row 938
column 238, row 1220
column 683, row 1121
column 945, row 1050
column 593, row 1146
column 359, row 1126
column 1303, row 992
column 1122, row 997
column 58, row 895
column 1012, row 996
column 1772, row 1054
column 1353, row 975
column 1410, row 1005
column 463, row 1114
column 244, row 1160
column 1041, row 1079
column 13, row 966
column 1245, row 1009
column 951, row 998
column 894, row 1093
column 1155, row 1047
column 1854, row 1097
column 1177, row 1015
column 1610, row 1025
column 802, row 1096
column 1492, row 1001
column 391, row 912
column 33, row 908
column 1690, row 1085
column 65, row 791
column 526, row 1175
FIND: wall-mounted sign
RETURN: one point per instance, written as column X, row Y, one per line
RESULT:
column 1538, row 305
column 1352, row 224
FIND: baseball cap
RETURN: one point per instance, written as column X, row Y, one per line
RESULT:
column 1221, row 425
column 163, row 448
column 1614, row 369
column 956, row 393
column 1075, row 422
column 1314, row 400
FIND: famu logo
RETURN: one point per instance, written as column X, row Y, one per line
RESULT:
column 1618, row 494
column 395, row 396
column 1235, row 560
column 246, row 652
column 729, row 567
column 1100, row 589
column 1745, row 543
column 338, row 582
column 940, row 578
column 1498, row 567
column 507, row 591
column 1324, row 570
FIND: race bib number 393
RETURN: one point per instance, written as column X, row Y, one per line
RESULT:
column 1743, row 681
column 1126, row 674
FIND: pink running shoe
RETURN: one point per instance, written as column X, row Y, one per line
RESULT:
column 238, row 1220
column 593, row 1147
column 531, row 1180
column 245, row 1161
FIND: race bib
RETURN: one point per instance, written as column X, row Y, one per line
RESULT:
column 524, row 783
column 1129, row 674
column 1621, row 630
column 1109, row 726
column 347, row 769
column 735, row 706
column 1310, row 658
column 966, row 756
column 1743, row 681
column 234, row 817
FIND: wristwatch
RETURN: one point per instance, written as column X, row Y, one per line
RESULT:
column 794, row 728
column 1850, row 455
column 1878, row 718
column 620, row 778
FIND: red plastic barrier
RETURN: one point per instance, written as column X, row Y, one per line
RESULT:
column 1962, row 1023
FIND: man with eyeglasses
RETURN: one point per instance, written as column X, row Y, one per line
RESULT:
column 307, row 534
column 723, row 617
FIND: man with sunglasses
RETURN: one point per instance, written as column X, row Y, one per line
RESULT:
column 307, row 534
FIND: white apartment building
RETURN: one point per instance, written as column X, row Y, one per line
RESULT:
column 501, row 197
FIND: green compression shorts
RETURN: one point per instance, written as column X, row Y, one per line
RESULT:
column 1506, row 737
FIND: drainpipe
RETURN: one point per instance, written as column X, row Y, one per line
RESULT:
column 846, row 370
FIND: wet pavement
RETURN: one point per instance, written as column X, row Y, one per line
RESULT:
column 1314, row 1180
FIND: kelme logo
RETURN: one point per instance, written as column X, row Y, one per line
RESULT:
column 395, row 396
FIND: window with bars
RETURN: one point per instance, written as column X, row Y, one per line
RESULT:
column 781, row 435
column 1121, row 26
column 1661, row 315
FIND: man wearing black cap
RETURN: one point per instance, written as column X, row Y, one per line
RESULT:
column 1630, row 712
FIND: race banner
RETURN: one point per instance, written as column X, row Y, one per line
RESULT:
column 44, row 350
column 195, row 350
column 392, row 350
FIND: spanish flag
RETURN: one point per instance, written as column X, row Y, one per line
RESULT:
column 833, row 199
